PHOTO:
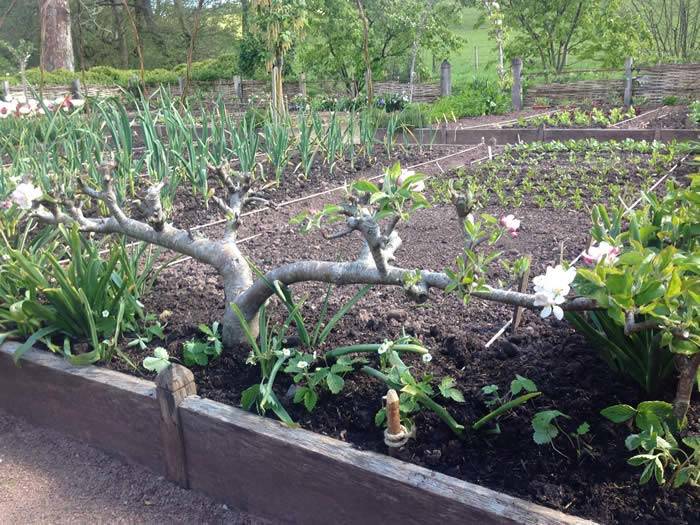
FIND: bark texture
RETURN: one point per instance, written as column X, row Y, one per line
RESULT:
column 56, row 39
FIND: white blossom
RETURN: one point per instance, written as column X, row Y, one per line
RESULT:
column 427, row 358
column 105, row 313
column 286, row 352
column 552, row 288
column 25, row 194
column 302, row 365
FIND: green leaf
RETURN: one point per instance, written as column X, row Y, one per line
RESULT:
column 583, row 429
column 618, row 413
column 365, row 186
column 380, row 417
column 335, row 383
column 521, row 383
column 250, row 396
column 310, row 399
column 158, row 362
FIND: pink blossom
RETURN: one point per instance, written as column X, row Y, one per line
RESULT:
column 604, row 251
column 511, row 224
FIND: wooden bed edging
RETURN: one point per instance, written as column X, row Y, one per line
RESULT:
column 444, row 136
column 253, row 463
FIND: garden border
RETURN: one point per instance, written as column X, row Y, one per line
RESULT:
column 248, row 461
column 449, row 137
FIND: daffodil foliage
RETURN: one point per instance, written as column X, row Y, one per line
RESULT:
column 646, row 279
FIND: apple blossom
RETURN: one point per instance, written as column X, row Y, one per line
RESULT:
column 552, row 288
column 510, row 223
column 603, row 252
column 25, row 194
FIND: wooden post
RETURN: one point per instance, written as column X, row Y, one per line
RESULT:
column 5, row 95
column 181, row 85
column 522, row 288
column 517, row 93
column 628, row 82
column 238, row 87
column 445, row 79
column 75, row 90
column 302, row 84
column 174, row 384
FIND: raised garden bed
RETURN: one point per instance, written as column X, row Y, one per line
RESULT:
column 599, row 486
column 542, row 134
column 289, row 475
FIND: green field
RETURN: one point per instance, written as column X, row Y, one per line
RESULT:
column 477, row 45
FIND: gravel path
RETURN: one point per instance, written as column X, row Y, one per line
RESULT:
column 47, row 478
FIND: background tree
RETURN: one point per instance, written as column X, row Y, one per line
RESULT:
column 280, row 22
column 674, row 26
column 56, row 38
column 547, row 29
column 333, row 43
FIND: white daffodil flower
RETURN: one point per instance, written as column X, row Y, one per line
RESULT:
column 25, row 194
column 552, row 288
column 604, row 251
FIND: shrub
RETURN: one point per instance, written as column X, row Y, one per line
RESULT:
column 478, row 98
column 695, row 112
column 645, row 280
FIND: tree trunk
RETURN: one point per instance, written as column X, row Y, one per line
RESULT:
column 120, row 36
column 416, row 46
column 365, row 49
column 245, row 17
column 56, row 40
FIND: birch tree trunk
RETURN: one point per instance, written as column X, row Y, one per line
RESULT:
column 416, row 47
column 56, row 40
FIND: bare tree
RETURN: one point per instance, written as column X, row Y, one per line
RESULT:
column 56, row 40
column 674, row 26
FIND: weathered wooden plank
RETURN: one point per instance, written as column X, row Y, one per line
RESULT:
column 297, row 476
column 598, row 134
column 112, row 411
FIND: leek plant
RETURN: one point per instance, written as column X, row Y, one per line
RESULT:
column 368, row 133
column 245, row 143
column 277, row 144
column 307, row 149
column 334, row 141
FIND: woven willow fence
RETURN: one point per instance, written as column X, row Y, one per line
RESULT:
column 650, row 83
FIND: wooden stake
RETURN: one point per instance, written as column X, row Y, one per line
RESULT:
column 174, row 384
column 522, row 288
column 393, row 414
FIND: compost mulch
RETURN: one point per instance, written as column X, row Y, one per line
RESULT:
column 595, row 483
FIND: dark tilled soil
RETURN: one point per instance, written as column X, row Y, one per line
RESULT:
column 188, row 210
column 595, row 483
column 670, row 117
column 495, row 121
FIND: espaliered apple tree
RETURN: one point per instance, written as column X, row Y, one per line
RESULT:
column 373, row 212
